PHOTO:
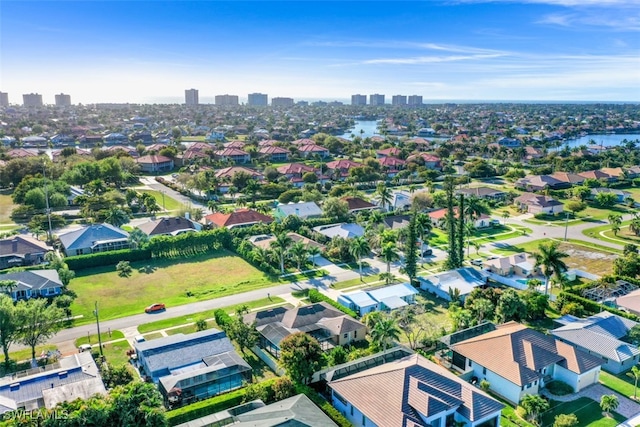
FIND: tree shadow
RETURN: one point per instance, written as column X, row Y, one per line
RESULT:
column 147, row 269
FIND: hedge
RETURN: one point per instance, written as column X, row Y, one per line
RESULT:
column 188, row 244
column 210, row 406
column 316, row 296
column 79, row 262
column 326, row 407
column 594, row 307
column 222, row 319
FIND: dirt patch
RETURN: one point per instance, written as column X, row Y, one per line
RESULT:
column 590, row 260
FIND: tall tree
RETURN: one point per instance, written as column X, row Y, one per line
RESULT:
column 301, row 356
column 609, row 403
column 313, row 252
column 299, row 254
column 384, row 332
column 534, row 405
column 384, row 194
column 461, row 231
column 358, row 248
column 116, row 217
column 281, row 246
column 423, row 228
column 450, row 220
column 9, row 327
column 38, row 321
column 411, row 246
column 635, row 370
column 137, row 238
column 615, row 220
column 549, row 257
column 389, row 254
column 245, row 335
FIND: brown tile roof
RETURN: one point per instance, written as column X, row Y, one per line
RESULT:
column 22, row 245
column 516, row 353
column 297, row 168
column 232, row 170
column 358, row 203
column 391, row 161
column 595, row 174
column 399, row 392
column 343, row 164
column 304, row 141
column 231, row 152
column 311, row 148
column 571, row 178
column 235, row 144
column 393, row 151
column 272, row 149
column 153, row 159
column 20, row 152
column 239, row 217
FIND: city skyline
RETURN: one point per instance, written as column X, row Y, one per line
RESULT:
column 484, row 50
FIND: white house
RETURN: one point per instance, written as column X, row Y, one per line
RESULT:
column 384, row 298
column 463, row 279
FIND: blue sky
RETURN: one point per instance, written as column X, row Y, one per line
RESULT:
column 123, row 51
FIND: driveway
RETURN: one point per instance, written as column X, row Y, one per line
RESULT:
column 627, row 407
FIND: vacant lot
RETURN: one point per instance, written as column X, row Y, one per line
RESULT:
column 6, row 206
column 163, row 200
column 172, row 281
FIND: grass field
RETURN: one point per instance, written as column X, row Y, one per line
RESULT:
column 115, row 352
column 25, row 354
column 482, row 235
column 6, row 206
column 622, row 383
column 104, row 336
column 172, row 281
column 169, row 203
column 587, row 410
column 375, row 278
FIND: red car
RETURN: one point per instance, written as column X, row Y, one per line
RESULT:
column 155, row 307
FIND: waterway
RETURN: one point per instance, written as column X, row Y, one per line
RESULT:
column 605, row 139
column 363, row 129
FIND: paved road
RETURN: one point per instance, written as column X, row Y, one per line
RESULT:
column 155, row 185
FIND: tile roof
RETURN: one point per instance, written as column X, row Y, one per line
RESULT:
column 303, row 141
column 343, row 164
column 166, row 226
column 391, row 161
column 153, row 159
column 296, row 168
column 239, row 217
column 516, row 353
column 399, row 392
column 358, row 203
column 21, row 245
column 272, row 149
column 231, row 152
column 481, row 191
column 232, row 170
column 537, row 200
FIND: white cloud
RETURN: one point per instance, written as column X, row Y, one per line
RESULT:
column 566, row 3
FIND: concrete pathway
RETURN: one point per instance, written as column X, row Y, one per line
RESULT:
column 631, row 422
column 627, row 408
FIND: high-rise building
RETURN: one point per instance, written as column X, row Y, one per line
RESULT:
column 282, row 102
column 226, row 99
column 376, row 99
column 358, row 99
column 415, row 100
column 258, row 99
column 32, row 100
column 4, row 99
column 63, row 100
column 191, row 97
column 399, row 100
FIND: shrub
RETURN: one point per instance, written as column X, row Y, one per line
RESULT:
column 315, row 296
column 559, row 388
column 80, row 262
column 222, row 319
column 485, row 385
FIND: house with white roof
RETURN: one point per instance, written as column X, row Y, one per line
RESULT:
column 521, row 264
column 345, row 230
column 465, row 279
column 601, row 335
column 303, row 210
column 385, row 298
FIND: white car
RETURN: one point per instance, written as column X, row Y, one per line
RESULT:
column 477, row 262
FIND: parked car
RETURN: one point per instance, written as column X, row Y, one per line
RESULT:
column 155, row 307
column 84, row 347
column 427, row 252
column 477, row 262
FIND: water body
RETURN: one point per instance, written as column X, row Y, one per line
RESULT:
column 606, row 139
column 362, row 128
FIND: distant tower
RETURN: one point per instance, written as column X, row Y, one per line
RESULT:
column 4, row 99
column 63, row 100
column 32, row 100
column 376, row 99
column 358, row 99
column 282, row 102
column 191, row 97
column 258, row 99
column 398, row 100
column 415, row 100
column 226, row 99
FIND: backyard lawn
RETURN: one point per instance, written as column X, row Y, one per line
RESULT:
column 169, row 203
column 622, row 383
column 6, row 206
column 171, row 281
column 587, row 410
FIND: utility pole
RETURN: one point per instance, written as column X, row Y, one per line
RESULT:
column 46, row 199
column 95, row 313
column 566, row 226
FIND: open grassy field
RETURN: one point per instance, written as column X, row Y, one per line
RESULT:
column 171, row 281
column 25, row 353
column 583, row 257
column 169, row 203
column 6, row 206
column 587, row 410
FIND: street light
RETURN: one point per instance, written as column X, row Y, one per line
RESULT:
column 46, row 199
column 95, row 313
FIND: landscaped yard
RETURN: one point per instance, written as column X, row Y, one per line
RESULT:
column 104, row 336
column 622, row 383
column 171, row 281
column 587, row 410
column 373, row 279
column 434, row 315
column 169, row 203
column 482, row 235
column 115, row 352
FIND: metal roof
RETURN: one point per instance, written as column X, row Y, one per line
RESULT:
column 87, row 236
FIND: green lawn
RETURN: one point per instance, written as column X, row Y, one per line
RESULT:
column 93, row 339
column 482, row 235
column 152, row 336
column 373, row 279
column 189, row 329
column 115, row 352
column 622, row 383
column 587, row 410
column 169, row 203
column 25, row 354
column 172, row 281
column 6, row 206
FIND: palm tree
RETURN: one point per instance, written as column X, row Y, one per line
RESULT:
column 423, row 228
column 474, row 207
column 313, row 252
column 636, row 376
column 358, row 248
column 280, row 246
column 505, row 216
column 116, row 217
column 549, row 257
column 384, row 332
column 389, row 253
column 609, row 403
column 299, row 253
column 137, row 238
column 615, row 220
column 212, row 205
column 384, row 193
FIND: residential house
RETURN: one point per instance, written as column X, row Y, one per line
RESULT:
column 567, row 177
column 540, row 183
column 601, row 335
column 629, row 302
column 509, row 142
column 169, row 226
column 517, row 361
column 385, row 298
column 632, row 172
column 33, row 283
column 412, row 391
column 115, row 149
column 310, row 150
column 225, row 175
column 618, row 173
column 274, row 153
column 621, row 195
column 464, row 279
column 296, row 170
column 538, row 204
column 21, row 251
column 356, row 204
column 93, row 239
column 396, row 222
column 532, row 153
column 240, row 218
column 599, row 175
column 339, row 169
column 192, row 367
column 521, row 264
column 70, row 378
column 155, row 163
column 438, row 218
column 344, row 230
column 303, row 141
column 234, row 144
column 388, row 152
column 234, row 155
column 20, row 153
column 328, row 325
column 391, row 165
column 303, row 210
column 297, row 411
column 264, row 240
column 430, row 161
column 485, row 193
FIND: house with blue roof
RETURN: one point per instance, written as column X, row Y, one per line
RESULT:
column 386, row 298
column 601, row 335
column 93, row 239
column 33, row 283
column 192, row 367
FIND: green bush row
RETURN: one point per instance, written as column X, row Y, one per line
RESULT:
column 79, row 262
column 222, row 319
column 594, row 307
column 187, row 244
column 326, row 407
column 316, row 296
